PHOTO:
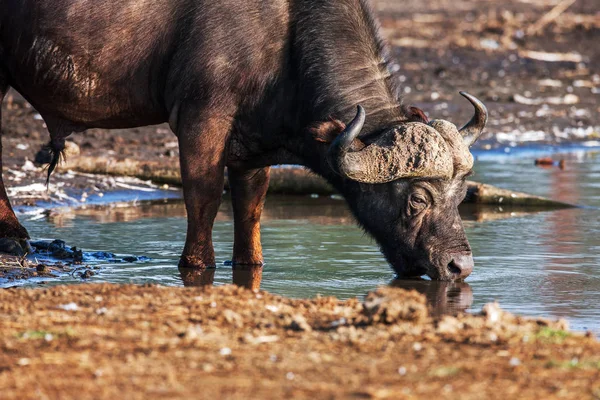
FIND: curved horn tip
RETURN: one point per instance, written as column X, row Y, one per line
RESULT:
column 336, row 154
column 354, row 128
column 474, row 128
column 360, row 114
column 474, row 101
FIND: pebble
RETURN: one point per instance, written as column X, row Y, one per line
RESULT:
column 23, row 361
column 225, row 351
column 272, row 308
column 69, row 307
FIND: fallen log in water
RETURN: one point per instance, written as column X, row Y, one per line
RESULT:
column 292, row 180
column 480, row 193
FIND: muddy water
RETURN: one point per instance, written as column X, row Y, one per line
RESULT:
column 545, row 263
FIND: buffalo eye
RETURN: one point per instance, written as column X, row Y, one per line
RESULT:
column 417, row 203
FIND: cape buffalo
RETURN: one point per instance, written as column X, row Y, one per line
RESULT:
column 246, row 84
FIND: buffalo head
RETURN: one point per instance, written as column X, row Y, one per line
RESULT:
column 404, row 186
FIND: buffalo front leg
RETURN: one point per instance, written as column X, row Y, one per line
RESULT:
column 248, row 192
column 10, row 228
column 202, row 146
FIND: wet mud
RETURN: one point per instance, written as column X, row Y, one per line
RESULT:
column 42, row 260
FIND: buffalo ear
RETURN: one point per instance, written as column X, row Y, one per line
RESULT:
column 415, row 114
column 327, row 131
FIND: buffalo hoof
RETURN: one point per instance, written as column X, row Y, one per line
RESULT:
column 14, row 247
column 193, row 262
column 197, row 277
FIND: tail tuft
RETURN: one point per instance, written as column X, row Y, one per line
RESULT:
column 56, row 150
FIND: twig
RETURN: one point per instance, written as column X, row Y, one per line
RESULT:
column 550, row 16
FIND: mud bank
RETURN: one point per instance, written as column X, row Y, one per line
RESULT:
column 109, row 341
column 49, row 259
column 98, row 181
column 294, row 180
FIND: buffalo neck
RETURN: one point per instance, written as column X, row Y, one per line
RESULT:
column 341, row 61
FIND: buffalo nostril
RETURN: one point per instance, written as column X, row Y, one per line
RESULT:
column 453, row 268
column 461, row 266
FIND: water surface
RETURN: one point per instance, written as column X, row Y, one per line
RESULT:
column 543, row 264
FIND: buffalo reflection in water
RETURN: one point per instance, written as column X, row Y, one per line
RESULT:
column 443, row 298
column 248, row 276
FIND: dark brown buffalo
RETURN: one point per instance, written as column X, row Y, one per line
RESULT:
column 246, row 84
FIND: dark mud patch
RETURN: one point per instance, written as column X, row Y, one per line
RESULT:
column 50, row 259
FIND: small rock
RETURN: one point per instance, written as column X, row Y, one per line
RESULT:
column 77, row 255
column 233, row 318
column 69, row 307
column 12, row 247
column 492, row 311
column 489, row 44
column 29, row 166
column 449, row 324
column 390, row 305
column 87, row 274
column 225, row 351
column 261, row 339
column 299, row 323
column 42, row 268
column 193, row 332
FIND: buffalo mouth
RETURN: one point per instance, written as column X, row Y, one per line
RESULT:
column 412, row 273
column 406, row 269
column 412, row 270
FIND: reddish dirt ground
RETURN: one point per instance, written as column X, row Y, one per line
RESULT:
column 110, row 341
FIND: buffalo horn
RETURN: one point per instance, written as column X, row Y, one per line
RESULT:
column 473, row 129
column 336, row 155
